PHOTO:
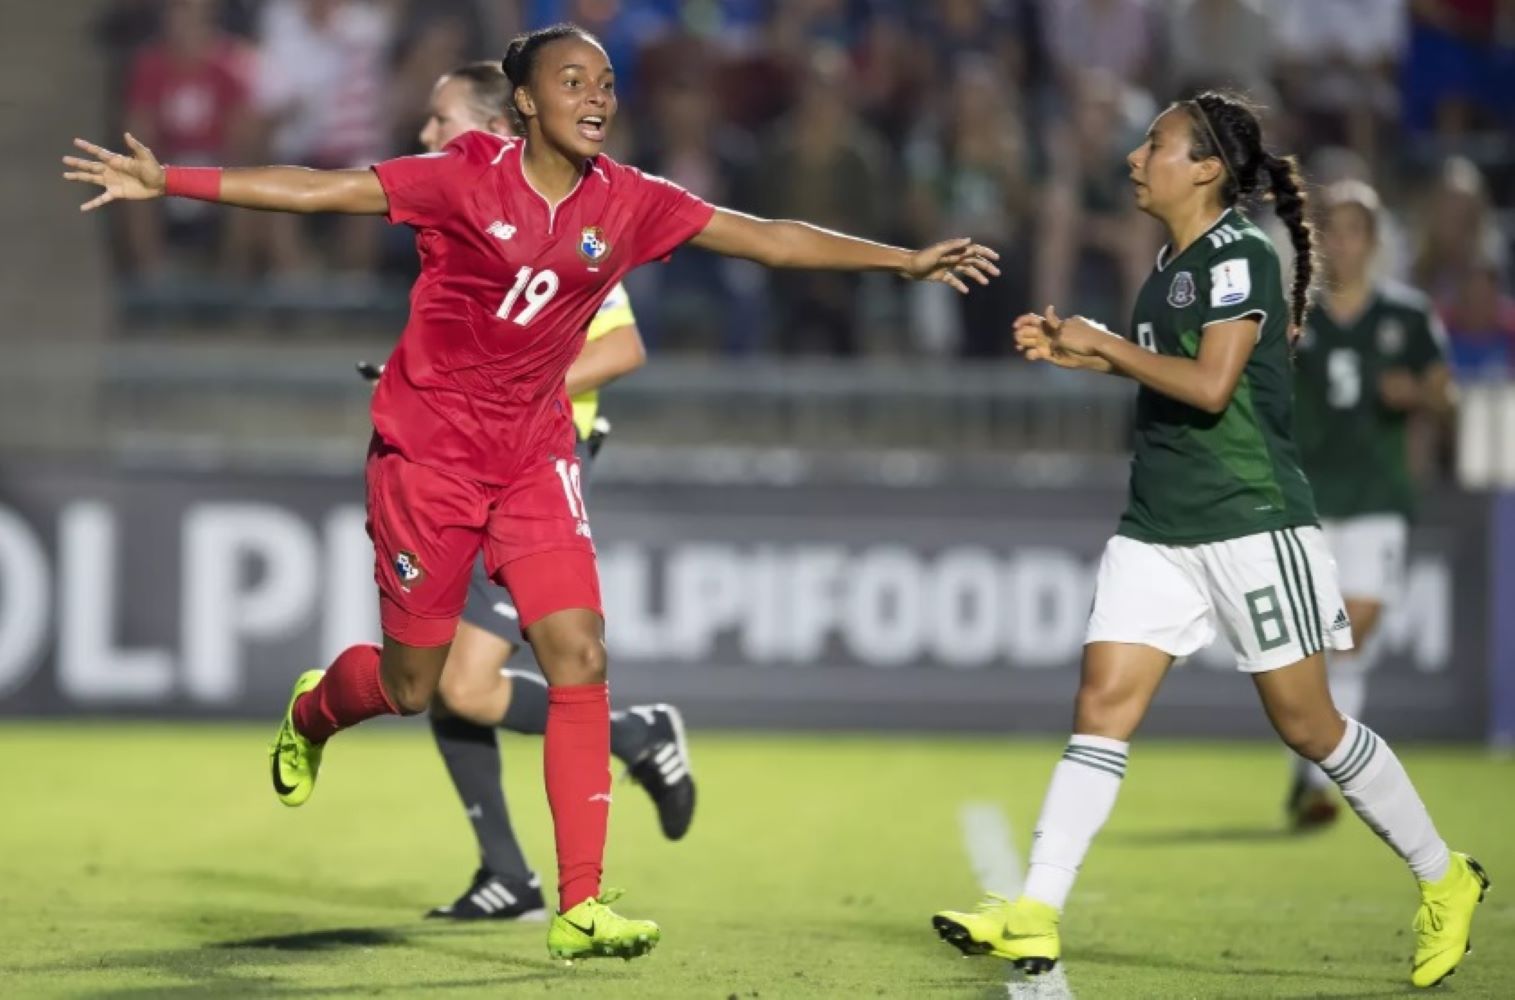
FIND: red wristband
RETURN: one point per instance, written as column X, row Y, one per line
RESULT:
column 202, row 183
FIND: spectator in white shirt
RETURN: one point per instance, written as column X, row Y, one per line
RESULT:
column 1338, row 61
column 320, row 89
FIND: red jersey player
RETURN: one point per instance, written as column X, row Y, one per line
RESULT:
column 473, row 446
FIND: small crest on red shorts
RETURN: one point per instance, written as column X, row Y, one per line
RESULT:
column 408, row 568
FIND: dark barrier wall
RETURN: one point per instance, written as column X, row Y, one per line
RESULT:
column 174, row 594
column 1502, row 632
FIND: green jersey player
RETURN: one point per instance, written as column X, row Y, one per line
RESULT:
column 1220, row 533
column 1371, row 356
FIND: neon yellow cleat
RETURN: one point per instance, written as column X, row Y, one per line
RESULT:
column 977, row 931
column 1444, row 922
column 593, row 930
column 294, row 760
column 1023, row 932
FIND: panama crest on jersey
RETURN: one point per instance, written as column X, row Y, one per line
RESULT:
column 593, row 246
column 1391, row 336
column 1181, row 292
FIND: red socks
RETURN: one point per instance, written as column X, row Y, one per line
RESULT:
column 576, row 758
column 577, row 762
column 349, row 693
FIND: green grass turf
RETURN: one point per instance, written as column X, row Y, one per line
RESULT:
column 153, row 861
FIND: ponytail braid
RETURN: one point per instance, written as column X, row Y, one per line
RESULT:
column 1287, row 190
column 1226, row 126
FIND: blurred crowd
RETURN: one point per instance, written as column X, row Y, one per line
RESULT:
column 1005, row 120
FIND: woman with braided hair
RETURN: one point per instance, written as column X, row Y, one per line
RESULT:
column 1220, row 532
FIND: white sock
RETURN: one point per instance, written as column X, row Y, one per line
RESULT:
column 1079, row 799
column 1375, row 783
column 1347, row 676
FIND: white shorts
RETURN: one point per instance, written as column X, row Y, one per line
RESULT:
column 1274, row 593
column 1370, row 555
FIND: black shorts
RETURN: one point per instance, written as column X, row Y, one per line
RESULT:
column 490, row 606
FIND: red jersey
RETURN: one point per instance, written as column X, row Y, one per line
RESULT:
column 508, row 286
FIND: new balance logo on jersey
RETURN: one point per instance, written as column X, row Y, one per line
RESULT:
column 1342, row 621
column 501, row 230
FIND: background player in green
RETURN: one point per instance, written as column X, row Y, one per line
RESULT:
column 1220, row 532
column 1372, row 354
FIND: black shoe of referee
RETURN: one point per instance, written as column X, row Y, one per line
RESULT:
column 663, row 768
column 489, row 897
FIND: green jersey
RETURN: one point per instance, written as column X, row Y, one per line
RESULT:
column 1353, row 446
column 1205, row 477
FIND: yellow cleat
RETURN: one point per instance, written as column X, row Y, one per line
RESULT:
column 974, row 932
column 593, row 930
column 1023, row 932
column 1444, row 922
column 294, row 760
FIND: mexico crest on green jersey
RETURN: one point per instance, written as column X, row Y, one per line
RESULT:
column 1391, row 336
column 1181, row 291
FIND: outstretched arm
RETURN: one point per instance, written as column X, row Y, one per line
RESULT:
column 1205, row 381
column 801, row 245
column 281, row 189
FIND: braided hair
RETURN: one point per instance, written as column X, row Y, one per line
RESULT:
column 520, row 60
column 1226, row 126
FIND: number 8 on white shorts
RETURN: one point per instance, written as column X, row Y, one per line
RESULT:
column 1274, row 594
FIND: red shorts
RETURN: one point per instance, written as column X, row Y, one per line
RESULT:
column 428, row 525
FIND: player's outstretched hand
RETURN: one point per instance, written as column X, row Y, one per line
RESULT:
column 952, row 260
column 1046, row 338
column 133, row 178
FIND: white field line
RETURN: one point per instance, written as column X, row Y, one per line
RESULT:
column 997, row 865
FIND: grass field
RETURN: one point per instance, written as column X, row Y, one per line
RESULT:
column 153, row 861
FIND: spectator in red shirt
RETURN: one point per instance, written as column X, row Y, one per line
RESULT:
column 187, row 94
